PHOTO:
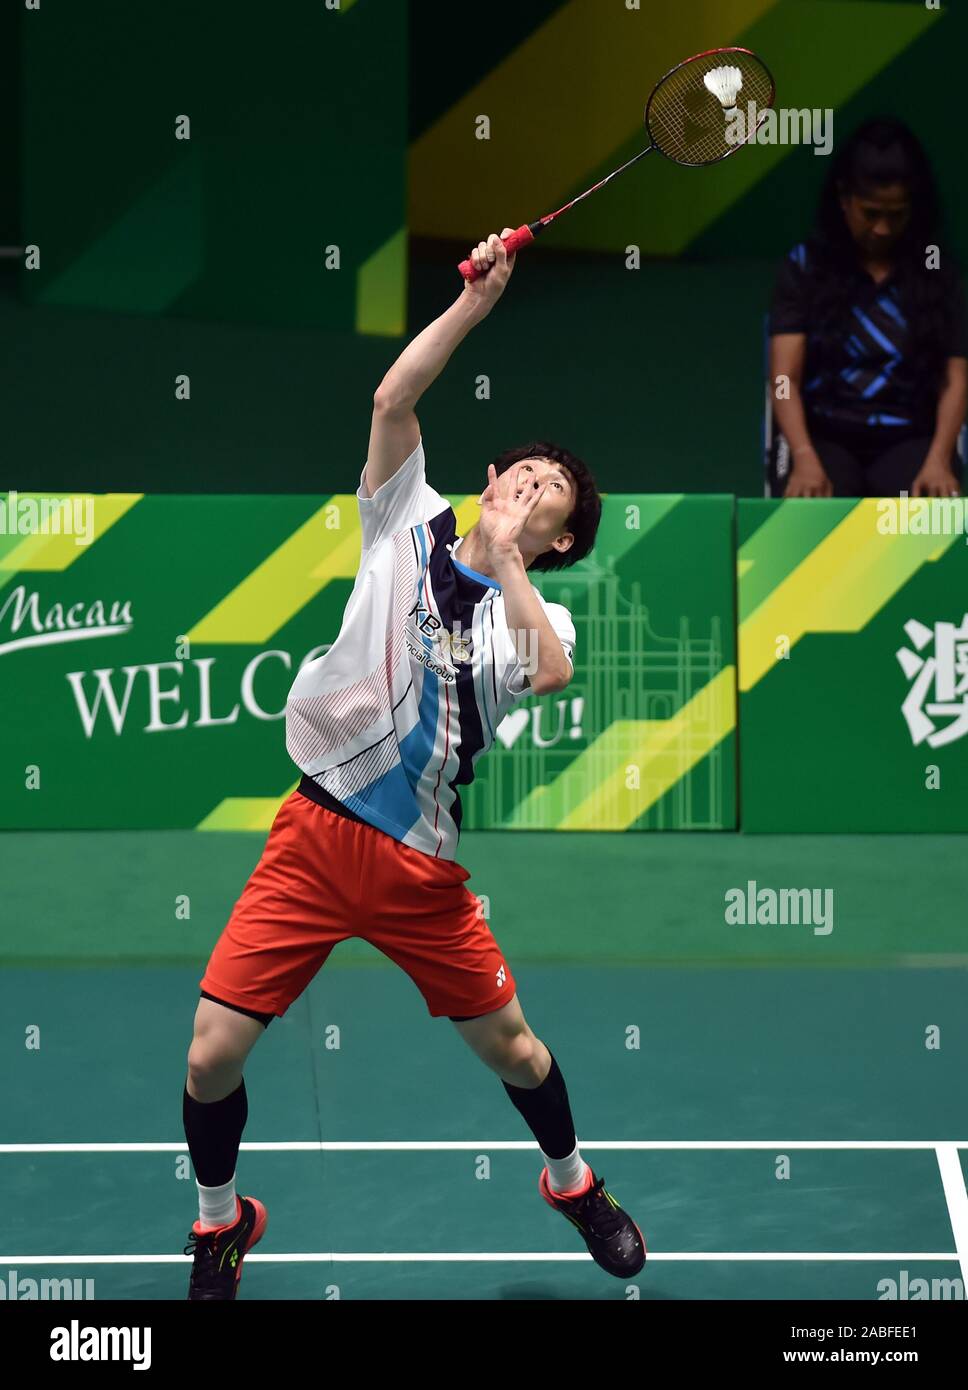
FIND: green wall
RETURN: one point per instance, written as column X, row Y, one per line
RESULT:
column 580, row 350
column 160, row 261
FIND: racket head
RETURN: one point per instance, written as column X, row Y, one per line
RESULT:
column 688, row 124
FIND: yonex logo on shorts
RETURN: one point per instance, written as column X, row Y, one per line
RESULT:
column 501, row 977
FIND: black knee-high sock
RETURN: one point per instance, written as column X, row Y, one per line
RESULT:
column 214, row 1132
column 548, row 1113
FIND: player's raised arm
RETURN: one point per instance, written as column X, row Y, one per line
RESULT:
column 394, row 429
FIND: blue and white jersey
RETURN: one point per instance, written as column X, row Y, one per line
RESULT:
column 391, row 720
column 864, row 374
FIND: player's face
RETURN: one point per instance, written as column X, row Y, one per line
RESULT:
column 547, row 521
column 876, row 218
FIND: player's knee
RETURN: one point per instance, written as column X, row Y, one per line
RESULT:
column 221, row 1041
column 212, row 1066
column 518, row 1052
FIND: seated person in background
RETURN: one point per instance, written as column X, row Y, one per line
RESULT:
column 868, row 324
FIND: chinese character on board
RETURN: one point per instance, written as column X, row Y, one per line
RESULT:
column 936, row 707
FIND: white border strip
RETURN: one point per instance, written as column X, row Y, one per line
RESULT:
column 502, row 1145
column 487, row 1257
column 953, row 1181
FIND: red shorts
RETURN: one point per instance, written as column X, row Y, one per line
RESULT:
column 322, row 879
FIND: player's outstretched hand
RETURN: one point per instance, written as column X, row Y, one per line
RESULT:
column 506, row 504
column 493, row 264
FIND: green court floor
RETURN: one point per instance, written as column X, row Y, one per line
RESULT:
column 697, row 1055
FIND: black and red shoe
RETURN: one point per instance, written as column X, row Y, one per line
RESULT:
column 613, row 1239
column 219, row 1251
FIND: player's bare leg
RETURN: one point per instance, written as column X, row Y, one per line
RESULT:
column 506, row 1044
column 222, row 1040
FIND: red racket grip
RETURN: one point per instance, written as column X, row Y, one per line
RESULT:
column 512, row 243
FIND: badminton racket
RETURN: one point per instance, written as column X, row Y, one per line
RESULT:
column 689, row 118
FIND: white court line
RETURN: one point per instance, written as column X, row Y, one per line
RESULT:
column 483, row 1257
column 504, row 1145
column 947, row 1152
column 953, row 1181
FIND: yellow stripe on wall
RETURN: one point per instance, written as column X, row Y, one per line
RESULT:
column 662, row 751
column 838, row 587
column 297, row 571
column 466, row 510
column 381, row 289
column 594, row 65
column 288, row 578
column 245, row 812
column 557, row 104
column 59, row 552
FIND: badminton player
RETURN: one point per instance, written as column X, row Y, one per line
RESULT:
column 440, row 636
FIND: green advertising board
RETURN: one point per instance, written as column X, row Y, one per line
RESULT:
column 853, row 665
column 145, row 659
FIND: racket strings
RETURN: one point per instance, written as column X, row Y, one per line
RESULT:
column 690, row 119
column 686, row 120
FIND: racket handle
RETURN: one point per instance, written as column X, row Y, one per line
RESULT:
column 513, row 242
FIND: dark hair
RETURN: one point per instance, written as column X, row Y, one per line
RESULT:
column 586, row 513
column 884, row 151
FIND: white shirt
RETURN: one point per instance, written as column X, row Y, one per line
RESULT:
column 391, row 720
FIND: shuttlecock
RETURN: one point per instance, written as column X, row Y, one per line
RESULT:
column 725, row 85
